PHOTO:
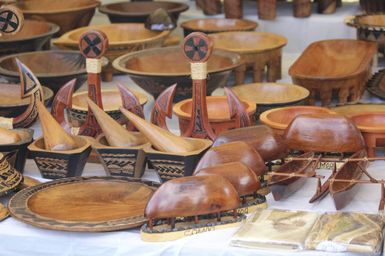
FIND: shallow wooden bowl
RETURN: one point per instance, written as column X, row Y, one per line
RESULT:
column 53, row 68
column 11, row 104
column 19, row 148
column 356, row 109
column 170, row 166
column 370, row 122
column 156, row 69
column 218, row 112
column 209, row 26
column 271, row 95
column 139, row 11
column 34, row 36
column 60, row 164
column 111, row 99
column 373, row 6
column 280, row 118
column 69, row 14
column 334, row 66
column 122, row 39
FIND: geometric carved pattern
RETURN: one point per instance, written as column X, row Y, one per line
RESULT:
column 52, row 167
column 168, row 169
column 118, row 164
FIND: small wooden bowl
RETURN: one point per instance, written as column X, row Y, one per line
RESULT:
column 218, row 112
column 11, row 104
column 342, row 66
column 121, row 162
column 123, row 12
column 60, row 164
column 53, row 68
column 111, row 99
column 370, row 27
column 373, row 6
column 271, row 95
column 356, row 109
column 34, row 36
column 68, row 14
column 217, row 25
column 154, row 70
column 280, row 118
column 122, row 39
column 20, row 148
column 170, row 166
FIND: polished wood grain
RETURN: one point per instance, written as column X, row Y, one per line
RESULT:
column 279, row 118
column 322, row 132
column 68, row 15
column 355, row 109
column 261, row 137
column 237, row 151
column 341, row 65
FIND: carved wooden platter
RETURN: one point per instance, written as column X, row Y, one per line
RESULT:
column 85, row 204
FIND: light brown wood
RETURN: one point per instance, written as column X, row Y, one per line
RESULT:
column 351, row 110
column 215, row 25
column 4, row 213
column 342, row 65
column 55, row 138
column 259, row 51
column 161, row 139
column 8, row 136
column 116, row 135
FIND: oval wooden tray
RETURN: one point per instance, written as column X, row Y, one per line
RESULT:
column 86, row 204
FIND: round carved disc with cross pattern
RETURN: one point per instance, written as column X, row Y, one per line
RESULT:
column 93, row 44
column 197, row 47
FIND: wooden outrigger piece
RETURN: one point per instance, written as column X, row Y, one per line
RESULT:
column 197, row 48
column 163, row 107
column 61, row 102
column 93, row 44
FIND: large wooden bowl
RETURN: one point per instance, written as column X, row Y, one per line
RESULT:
column 156, row 69
column 356, row 109
column 139, row 11
column 34, row 36
column 212, row 25
column 271, row 95
column 334, row 66
column 112, row 101
column 370, row 27
column 280, row 118
column 11, row 104
column 53, row 68
column 69, row 14
column 218, row 112
column 122, row 38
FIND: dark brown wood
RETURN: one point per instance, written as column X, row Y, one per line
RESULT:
column 267, row 9
column 61, row 102
column 86, row 204
column 93, row 44
column 233, row 9
column 163, row 107
column 210, row 7
column 323, row 133
column 237, row 151
column 327, row 6
column 302, row 8
column 261, row 137
column 371, row 6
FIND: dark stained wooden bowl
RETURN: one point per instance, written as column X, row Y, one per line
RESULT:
column 34, row 36
column 69, row 14
column 217, row 25
column 156, row 69
column 139, row 11
column 53, row 68
column 11, row 104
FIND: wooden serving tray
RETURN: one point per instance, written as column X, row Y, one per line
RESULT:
column 86, row 204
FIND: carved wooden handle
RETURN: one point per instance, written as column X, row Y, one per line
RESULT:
column 93, row 44
column 11, row 20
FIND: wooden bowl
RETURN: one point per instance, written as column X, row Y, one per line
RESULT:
column 280, row 118
column 123, row 12
column 69, row 15
column 370, row 27
column 34, row 36
column 11, row 104
column 121, row 162
column 356, row 109
column 53, row 68
column 112, row 101
column 156, row 69
column 60, row 164
column 341, row 66
column 212, row 25
column 218, row 112
column 373, row 6
column 122, row 38
column 370, row 122
column 271, row 95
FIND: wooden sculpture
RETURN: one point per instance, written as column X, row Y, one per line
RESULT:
column 93, row 44
column 131, row 103
column 237, row 151
column 163, row 107
column 115, row 134
column 202, row 203
column 237, row 109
